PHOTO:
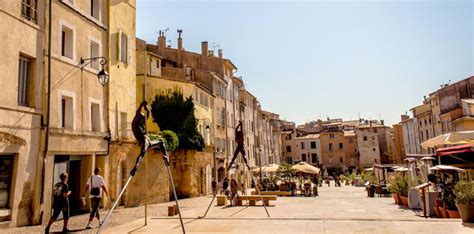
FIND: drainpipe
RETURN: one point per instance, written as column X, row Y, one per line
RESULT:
column 48, row 110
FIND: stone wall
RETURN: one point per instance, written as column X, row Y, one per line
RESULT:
column 189, row 171
column 122, row 159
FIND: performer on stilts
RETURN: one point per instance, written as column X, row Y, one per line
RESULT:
column 139, row 131
column 239, row 138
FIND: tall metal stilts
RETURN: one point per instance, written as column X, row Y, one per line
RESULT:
column 256, row 188
column 209, row 207
column 167, row 163
column 132, row 174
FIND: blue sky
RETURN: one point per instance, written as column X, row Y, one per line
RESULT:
column 313, row 59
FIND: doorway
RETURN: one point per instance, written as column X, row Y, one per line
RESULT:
column 72, row 165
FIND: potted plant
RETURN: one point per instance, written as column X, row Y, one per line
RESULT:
column 402, row 183
column 394, row 188
column 464, row 192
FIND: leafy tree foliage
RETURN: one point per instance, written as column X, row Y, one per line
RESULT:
column 172, row 111
column 169, row 137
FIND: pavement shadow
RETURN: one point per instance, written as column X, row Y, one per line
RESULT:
column 468, row 225
column 70, row 231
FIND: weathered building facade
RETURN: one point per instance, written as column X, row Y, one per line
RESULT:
column 21, row 110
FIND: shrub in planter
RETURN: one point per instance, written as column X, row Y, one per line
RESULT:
column 394, row 189
column 398, row 184
column 464, row 192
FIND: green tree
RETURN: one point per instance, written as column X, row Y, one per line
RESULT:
column 172, row 111
column 285, row 171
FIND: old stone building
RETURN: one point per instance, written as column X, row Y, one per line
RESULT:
column 443, row 111
column 368, row 145
column 192, row 171
column 77, row 135
column 22, row 30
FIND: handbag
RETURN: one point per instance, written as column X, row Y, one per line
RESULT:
column 95, row 191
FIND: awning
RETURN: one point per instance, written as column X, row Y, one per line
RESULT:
column 455, row 150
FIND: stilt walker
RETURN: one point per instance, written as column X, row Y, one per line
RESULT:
column 239, row 138
column 139, row 131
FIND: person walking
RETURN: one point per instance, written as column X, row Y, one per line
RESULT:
column 225, row 185
column 96, row 184
column 214, row 187
column 61, row 193
column 234, row 188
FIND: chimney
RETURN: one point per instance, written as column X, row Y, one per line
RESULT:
column 204, row 55
column 220, row 55
column 161, row 43
column 179, row 54
column 382, row 122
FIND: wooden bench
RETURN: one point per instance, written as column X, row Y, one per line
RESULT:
column 222, row 200
column 277, row 193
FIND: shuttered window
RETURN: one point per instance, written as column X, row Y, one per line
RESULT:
column 24, row 78
column 29, row 10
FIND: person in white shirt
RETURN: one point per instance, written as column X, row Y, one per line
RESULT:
column 96, row 184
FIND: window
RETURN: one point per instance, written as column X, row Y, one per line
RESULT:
column 303, row 157
column 94, row 52
column 302, row 145
column 341, row 145
column 67, row 42
column 313, row 144
column 365, row 138
column 29, row 10
column 6, row 175
column 331, row 135
column 95, row 117
column 373, row 149
column 288, row 148
column 67, row 119
column 340, row 160
column 351, row 140
column 373, row 138
column 375, row 130
column 24, row 81
column 314, row 158
column 96, row 8
column 123, row 47
column 330, row 146
column 427, row 135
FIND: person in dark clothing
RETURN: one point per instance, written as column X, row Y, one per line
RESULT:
column 214, row 187
column 239, row 138
column 225, row 185
column 61, row 193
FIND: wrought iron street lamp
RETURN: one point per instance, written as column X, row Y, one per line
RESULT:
column 102, row 76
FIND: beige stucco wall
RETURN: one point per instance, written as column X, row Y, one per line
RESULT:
column 369, row 149
column 122, row 83
column 298, row 151
column 83, row 86
column 20, row 36
column 332, row 158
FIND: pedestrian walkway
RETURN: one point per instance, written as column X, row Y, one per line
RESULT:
column 344, row 209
